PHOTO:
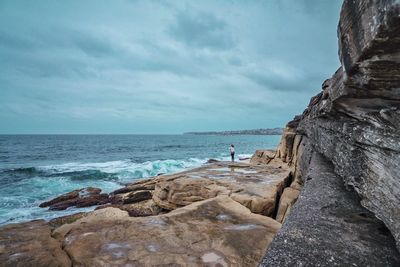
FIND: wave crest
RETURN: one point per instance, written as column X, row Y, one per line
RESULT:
column 120, row 171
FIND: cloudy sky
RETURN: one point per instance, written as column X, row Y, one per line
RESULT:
column 127, row 66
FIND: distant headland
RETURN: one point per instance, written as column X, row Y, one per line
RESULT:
column 273, row 131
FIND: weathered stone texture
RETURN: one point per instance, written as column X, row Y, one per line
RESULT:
column 30, row 244
column 328, row 227
column 355, row 120
column 213, row 232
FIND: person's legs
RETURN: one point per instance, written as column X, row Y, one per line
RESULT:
column 233, row 157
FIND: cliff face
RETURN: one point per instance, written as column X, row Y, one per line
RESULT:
column 355, row 121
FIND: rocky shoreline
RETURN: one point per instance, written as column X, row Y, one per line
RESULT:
column 222, row 213
column 328, row 196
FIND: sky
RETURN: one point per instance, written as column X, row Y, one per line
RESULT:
column 161, row 67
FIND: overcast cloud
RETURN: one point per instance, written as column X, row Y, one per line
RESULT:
column 161, row 66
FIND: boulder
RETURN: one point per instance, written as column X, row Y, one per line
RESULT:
column 130, row 197
column 139, row 209
column 81, row 202
column 147, row 184
column 262, row 156
column 79, row 198
column 255, row 187
column 213, row 232
column 72, row 195
column 181, row 191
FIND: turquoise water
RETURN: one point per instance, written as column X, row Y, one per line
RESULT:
column 39, row 167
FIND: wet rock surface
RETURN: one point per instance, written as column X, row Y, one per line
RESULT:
column 79, row 198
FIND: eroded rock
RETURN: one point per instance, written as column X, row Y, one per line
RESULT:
column 214, row 231
column 327, row 226
column 286, row 201
column 139, row 209
column 57, row 222
column 262, row 156
column 355, row 120
column 255, row 187
column 30, row 244
column 79, row 198
column 353, row 126
column 147, row 184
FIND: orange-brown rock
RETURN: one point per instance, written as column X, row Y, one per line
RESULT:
column 139, row 209
column 255, row 187
column 57, row 222
column 147, row 184
column 213, row 232
column 287, row 199
column 84, row 197
column 30, row 244
column 262, row 156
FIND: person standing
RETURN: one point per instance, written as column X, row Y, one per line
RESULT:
column 232, row 150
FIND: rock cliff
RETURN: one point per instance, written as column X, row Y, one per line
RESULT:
column 354, row 122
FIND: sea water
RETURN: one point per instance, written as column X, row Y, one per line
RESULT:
column 36, row 168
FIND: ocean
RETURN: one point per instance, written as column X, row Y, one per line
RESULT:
column 35, row 168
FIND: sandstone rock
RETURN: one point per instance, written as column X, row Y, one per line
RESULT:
column 255, row 187
column 80, row 202
column 72, row 195
column 147, row 184
column 214, row 232
column 30, row 244
column 80, row 198
column 355, row 123
column 181, row 191
column 130, row 197
column 137, row 196
column 286, row 148
column 287, row 199
column 262, row 156
column 57, row 222
column 140, row 209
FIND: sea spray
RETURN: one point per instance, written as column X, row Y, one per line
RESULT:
column 20, row 201
column 36, row 168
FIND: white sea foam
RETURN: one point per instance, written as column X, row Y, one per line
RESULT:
column 126, row 170
column 20, row 202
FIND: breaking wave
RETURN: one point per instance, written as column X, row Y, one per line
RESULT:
column 30, row 186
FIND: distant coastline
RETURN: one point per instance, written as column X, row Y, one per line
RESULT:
column 273, row 131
